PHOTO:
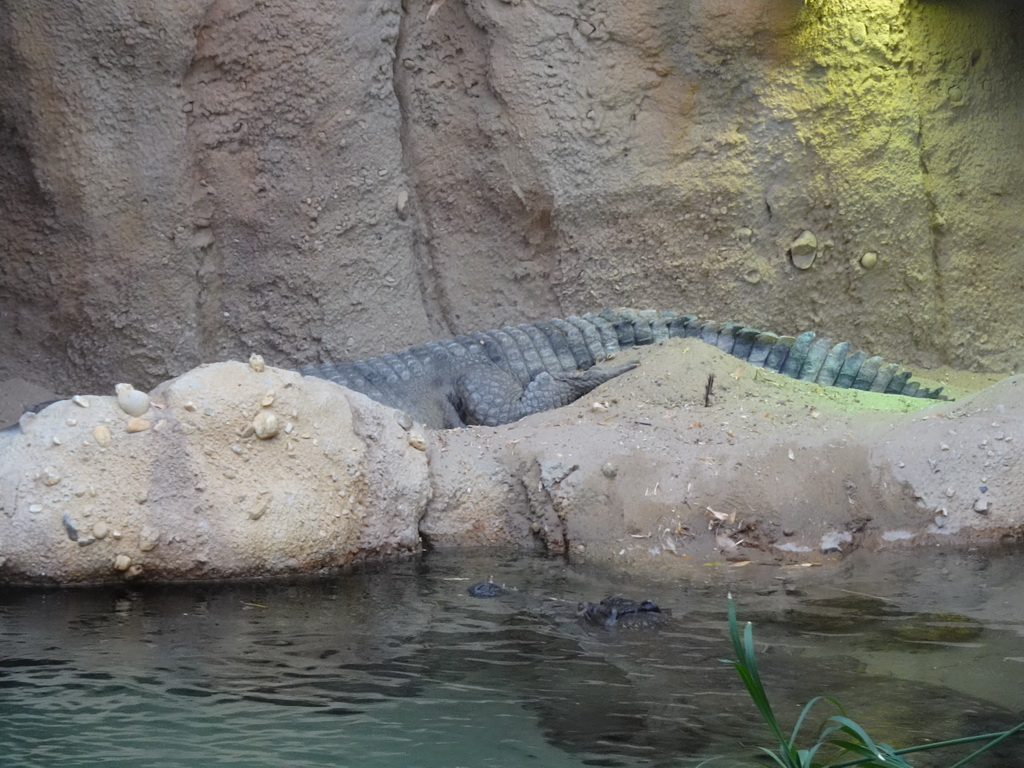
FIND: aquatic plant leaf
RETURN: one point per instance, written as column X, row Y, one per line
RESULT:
column 870, row 754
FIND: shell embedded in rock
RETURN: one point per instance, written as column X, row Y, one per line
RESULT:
column 132, row 401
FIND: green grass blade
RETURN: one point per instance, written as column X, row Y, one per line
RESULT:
column 780, row 761
column 746, row 666
column 1000, row 735
column 800, row 720
column 856, row 731
column 1005, row 735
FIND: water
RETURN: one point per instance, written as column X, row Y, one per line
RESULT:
column 400, row 667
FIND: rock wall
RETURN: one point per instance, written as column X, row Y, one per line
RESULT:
column 191, row 182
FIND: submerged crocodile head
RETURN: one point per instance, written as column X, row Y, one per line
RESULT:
column 623, row 612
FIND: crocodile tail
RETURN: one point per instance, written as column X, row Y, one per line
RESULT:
column 807, row 356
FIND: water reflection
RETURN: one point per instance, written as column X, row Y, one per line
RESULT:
column 402, row 667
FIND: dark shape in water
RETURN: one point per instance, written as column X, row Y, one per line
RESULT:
column 486, row 589
column 621, row 611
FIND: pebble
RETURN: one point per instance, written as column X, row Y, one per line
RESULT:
column 803, row 250
column 261, row 509
column 417, row 440
column 265, row 425
column 122, row 563
column 135, row 424
column 100, row 530
column 148, row 538
column 101, row 435
column 80, row 401
column 51, row 476
column 981, row 506
column 868, row 260
column 132, row 401
column 69, row 526
column 256, row 363
column 609, row 470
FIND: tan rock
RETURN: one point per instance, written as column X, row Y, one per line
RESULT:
column 181, row 493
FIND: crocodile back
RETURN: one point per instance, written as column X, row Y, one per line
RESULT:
column 427, row 378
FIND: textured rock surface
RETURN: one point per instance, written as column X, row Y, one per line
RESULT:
column 639, row 473
column 195, row 493
column 184, row 183
column 642, row 475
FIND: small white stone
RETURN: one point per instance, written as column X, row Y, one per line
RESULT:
column 122, row 562
column 262, row 505
column 101, row 434
column 51, row 476
column 148, row 538
column 868, row 260
column 417, row 440
column 265, row 425
column 256, row 363
column 80, row 401
column 132, row 401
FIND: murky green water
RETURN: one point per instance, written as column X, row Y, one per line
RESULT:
column 401, row 667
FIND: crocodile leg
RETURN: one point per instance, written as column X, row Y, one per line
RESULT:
column 489, row 396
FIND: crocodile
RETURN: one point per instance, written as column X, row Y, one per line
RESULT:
column 612, row 611
column 489, row 378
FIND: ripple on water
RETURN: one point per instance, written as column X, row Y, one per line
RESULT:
column 401, row 668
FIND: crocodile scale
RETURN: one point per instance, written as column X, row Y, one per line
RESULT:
column 496, row 377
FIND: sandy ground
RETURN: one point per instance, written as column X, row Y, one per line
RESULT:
column 644, row 475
